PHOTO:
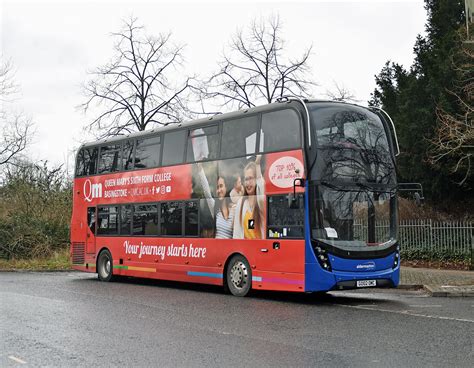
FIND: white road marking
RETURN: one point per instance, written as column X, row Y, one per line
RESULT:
column 407, row 313
column 15, row 359
column 425, row 306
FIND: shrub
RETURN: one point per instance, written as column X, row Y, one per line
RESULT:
column 35, row 211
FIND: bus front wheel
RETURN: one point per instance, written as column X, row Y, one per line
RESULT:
column 105, row 266
column 239, row 276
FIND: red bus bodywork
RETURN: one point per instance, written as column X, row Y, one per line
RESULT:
column 190, row 259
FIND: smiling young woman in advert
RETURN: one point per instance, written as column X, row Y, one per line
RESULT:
column 223, row 211
column 249, row 222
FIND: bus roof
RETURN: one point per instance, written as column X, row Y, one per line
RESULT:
column 209, row 119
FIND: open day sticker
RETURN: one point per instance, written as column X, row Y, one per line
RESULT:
column 285, row 170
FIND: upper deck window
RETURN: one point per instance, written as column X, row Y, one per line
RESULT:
column 109, row 158
column 127, row 155
column 203, row 144
column 280, row 131
column 87, row 161
column 147, row 152
column 243, row 137
column 173, row 147
column 239, row 137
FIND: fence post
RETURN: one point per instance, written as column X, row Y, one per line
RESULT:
column 431, row 240
column 471, row 267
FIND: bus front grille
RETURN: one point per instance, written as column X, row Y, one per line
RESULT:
column 78, row 250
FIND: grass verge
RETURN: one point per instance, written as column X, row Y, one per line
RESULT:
column 58, row 261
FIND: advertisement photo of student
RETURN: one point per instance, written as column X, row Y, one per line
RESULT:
column 250, row 216
column 231, row 197
column 231, row 191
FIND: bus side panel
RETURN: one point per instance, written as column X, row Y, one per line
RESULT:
column 278, row 281
column 280, row 265
column 180, row 259
column 203, row 260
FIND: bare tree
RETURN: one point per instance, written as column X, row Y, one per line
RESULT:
column 135, row 90
column 453, row 142
column 8, row 86
column 15, row 127
column 254, row 69
column 341, row 93
column 16, row 137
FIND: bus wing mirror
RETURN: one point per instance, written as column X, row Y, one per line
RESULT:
column 292, row 199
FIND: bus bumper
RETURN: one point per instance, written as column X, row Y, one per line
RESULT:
column 317, row 279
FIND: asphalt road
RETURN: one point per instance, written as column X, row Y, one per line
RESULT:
column 71, row 319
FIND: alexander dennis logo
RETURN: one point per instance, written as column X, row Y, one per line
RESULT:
column 366, row 265
column 92, row 191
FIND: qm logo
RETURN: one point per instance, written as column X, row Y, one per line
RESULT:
column 92, row 191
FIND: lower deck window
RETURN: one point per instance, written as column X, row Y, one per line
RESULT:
column 152, row 219
column 145, row 219
column 283, row 221
column 108, row 220
column 171, row 218
column 191, row 220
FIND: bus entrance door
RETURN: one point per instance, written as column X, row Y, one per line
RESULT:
column 91, row 225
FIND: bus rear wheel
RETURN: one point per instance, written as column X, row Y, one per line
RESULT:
column 105, row 266
column 239, row 276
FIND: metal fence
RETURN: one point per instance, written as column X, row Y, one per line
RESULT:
column 427, row 239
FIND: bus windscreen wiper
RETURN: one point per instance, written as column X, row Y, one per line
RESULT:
column 366, row 188
column 336, row 187
column 360, row 186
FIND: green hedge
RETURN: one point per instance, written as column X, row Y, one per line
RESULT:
column 36, row 204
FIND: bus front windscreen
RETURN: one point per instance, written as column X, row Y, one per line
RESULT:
column 352, row 181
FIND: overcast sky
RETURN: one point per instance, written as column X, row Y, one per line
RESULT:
column 54, row 44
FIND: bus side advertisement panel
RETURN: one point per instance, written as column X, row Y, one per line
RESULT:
column 199, row 255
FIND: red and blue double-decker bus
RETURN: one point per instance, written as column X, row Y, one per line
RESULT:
column 293, row 196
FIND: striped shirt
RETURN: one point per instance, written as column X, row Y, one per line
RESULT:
column 224, row 228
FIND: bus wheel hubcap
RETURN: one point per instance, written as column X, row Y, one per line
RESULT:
column 107, row 266
column 238, row 275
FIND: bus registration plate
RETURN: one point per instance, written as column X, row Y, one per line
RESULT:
column 366, row 283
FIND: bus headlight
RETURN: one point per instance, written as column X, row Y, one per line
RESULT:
column 323, row 258
column 396, row 259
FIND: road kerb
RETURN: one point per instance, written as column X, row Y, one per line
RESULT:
column 449, row 290
column 410, row 286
